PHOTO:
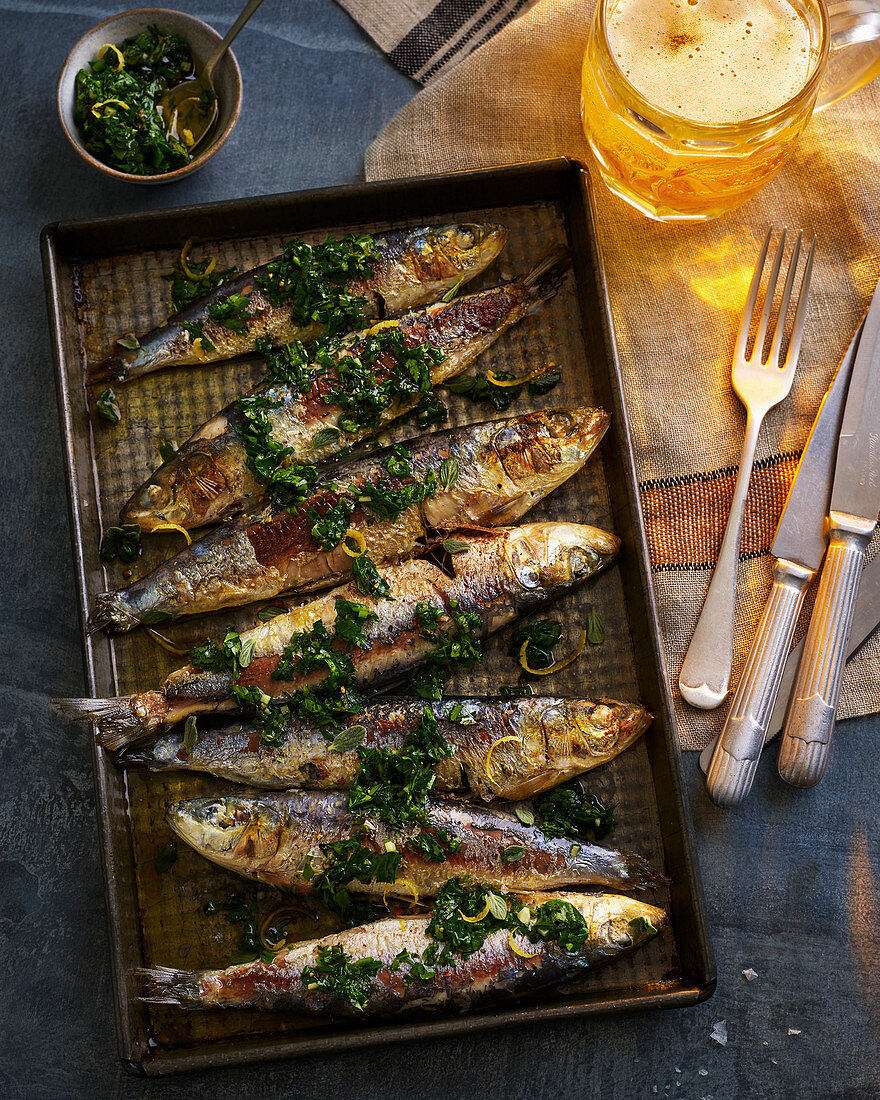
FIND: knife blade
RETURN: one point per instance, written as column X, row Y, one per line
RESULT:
column 798, row 547
column 855, row 501
column 865, row 622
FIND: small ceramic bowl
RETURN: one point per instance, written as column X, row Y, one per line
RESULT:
column 202, row 40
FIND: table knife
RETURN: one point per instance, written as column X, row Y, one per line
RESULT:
column 798, row 547
column 855, row 501
column 865, row 622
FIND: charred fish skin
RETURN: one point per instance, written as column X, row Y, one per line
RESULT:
column 276, row 838
column 493, row 975
column 414, row 266
column 554, row 739
column 506, row 466
column 502, row 574
column 208, row 479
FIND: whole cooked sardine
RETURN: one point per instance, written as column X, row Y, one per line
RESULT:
column 501, row 575
column 209, row 480
column 506, row 966
column 413, row 266
column 277, row 837
column 504, row 467
column 502, row 748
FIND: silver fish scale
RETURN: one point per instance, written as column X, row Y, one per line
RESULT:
column 128, row 294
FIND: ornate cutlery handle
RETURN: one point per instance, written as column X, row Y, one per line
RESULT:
column 738, row 750
column 809, row 725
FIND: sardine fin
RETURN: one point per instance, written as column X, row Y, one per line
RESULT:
column 118, row 720
column 162, row 985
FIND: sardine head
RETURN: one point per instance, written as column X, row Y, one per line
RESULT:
column 183, row 492
column 541, row 451
column 620, row 922
column 547, row 556
column 241, row 833
column 461, row 250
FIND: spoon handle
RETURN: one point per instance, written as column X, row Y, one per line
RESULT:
column 246, row 13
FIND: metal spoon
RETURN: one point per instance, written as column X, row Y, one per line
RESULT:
column 189, row 109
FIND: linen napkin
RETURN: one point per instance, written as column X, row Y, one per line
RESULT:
column 677, row 294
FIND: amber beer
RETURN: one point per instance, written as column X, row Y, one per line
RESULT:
column 690, row 106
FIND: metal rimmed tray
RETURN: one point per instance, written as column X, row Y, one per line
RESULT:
column 102, row 279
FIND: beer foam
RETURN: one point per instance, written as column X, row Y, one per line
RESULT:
column 713, row 61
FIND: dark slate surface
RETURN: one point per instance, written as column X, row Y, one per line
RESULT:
column 792, row 881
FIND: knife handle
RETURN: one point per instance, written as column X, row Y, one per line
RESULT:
column 809, row 724
column 738, row 750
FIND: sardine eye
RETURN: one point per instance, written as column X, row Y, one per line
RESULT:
column 581, row 562
column 465, row 237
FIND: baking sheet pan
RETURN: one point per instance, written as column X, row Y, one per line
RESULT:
column 103, row 278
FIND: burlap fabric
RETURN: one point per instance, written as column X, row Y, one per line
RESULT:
column 677, row 294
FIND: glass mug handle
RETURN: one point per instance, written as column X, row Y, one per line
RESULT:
column 854, row 56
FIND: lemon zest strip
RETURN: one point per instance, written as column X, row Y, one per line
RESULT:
column 184, row 256
column 166, row 643
column 505, row 382
column 518, row 950
column 403, row 882
column 558, row 665
column 357, row 538
column 104, row 102
column 109, row 46
column 479, row 917
column 488, row 763
column 173, row 527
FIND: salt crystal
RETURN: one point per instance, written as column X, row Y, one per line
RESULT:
column 677, row 1070
column 794, row 1031
column 703, row 1072
column 654, row 1088
column 773, row 1060
column 750, row 974
column 719, row 1032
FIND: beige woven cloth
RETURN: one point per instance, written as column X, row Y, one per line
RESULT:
column 676, row 294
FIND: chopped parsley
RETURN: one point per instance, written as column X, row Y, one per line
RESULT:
column 346, row 861
column 195, row 332
column 336, row 972
column 107, row 405
column 541, row 636
column 287, row 483
column 394, row 785
column 121, row 542
column 314, row 280
column 460, row 646
column 230, row 655
column 385, row 371
column 256, row 704
column 232, row 312
column 116, row 103
column 480, row 389
column 192, row 279
column 368, row 579
column 568, row 810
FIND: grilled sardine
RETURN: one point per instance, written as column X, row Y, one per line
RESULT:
column 502, row 574
column 505, row 967
column 414, row 266
column 209, row 480
column 505, row 467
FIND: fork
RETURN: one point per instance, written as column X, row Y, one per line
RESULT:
column 760, row 384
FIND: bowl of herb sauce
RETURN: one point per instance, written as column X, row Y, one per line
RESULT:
column 112, row 81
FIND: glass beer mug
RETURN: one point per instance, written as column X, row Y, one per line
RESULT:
column 691, row 106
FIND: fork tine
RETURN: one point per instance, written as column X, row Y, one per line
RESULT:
column 758, row 348
column 794, row 344
column 749, row 308
column 773, row 356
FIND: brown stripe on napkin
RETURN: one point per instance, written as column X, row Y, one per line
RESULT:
column 685, row 517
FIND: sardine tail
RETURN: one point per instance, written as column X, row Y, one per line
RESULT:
column 162, row 985
column 120, row 721
column 111, row 612
column 640, row 875
column 115, row 368
column 545, row 278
